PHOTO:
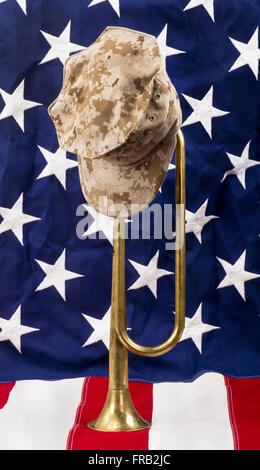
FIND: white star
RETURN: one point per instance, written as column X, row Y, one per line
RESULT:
column 240, row 165
column 236, row 275
column 14, row 219
column 148, row 275
column 22, row 4
column 208, row 4
column 166, row 50
column 197, row 220
column 101, row 329
column 101, row 223
column 195, row 327
column 56, row 275
column 203, row 111
column 57, row 164
column 12, row 330
column 61, row 47
column 16, row 105
column 113, row 3
column 249, row 53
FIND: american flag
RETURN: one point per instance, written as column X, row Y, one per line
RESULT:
column 55, row 287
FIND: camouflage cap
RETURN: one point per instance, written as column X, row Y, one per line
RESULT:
column 119, row 112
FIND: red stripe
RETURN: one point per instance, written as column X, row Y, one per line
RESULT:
column 92, row 400
column 5, row 390
column 244, row 412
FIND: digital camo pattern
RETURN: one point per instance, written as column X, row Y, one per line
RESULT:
column 119, row 112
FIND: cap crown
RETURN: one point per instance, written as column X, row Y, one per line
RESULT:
column 108, row 96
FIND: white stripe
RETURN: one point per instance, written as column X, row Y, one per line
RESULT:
column 191, row 416
column 39, row 414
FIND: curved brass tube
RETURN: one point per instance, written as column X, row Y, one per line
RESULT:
column 119, row 269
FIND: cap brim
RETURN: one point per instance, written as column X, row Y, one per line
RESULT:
column 124, row 190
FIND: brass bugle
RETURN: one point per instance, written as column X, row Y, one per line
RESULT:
column 118, row 413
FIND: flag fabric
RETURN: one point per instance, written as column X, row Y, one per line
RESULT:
column 56, row 285
column 38, row 414
column 5, row 390
column 210, row 413
column 55, row 276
